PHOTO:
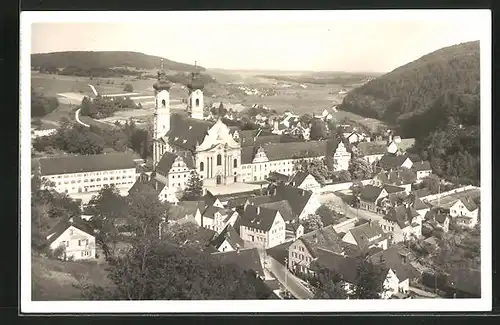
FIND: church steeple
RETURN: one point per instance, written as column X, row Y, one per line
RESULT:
column 195, row 94
column 162, row 114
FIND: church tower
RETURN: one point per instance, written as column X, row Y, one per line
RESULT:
column 195, row 100
column 161, row 116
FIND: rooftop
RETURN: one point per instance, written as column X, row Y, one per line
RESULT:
column 87, row 163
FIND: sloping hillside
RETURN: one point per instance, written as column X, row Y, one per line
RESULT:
column 434, row 99
column 106, row 59
column 420, row 85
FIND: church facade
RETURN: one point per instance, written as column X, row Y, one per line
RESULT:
column 185, row 144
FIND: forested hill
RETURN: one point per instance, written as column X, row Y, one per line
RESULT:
column 449, row 75
column 434, row 99
column 106, row 59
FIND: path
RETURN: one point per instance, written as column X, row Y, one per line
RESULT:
column 77, row 118
column 94, row 90
column 292, row 283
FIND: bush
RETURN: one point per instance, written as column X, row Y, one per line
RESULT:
column 128, row 88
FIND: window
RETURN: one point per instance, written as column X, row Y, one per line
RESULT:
column 197, row 102
column 201, row 166
column 163, row 103
column 235, row 163
column 219, row 160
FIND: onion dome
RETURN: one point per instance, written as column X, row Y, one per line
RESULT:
column 195, row 82
column 163, row 83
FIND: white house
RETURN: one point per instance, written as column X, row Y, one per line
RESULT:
column 76, row 238
column 262, row 227
column 465, row 212
column 402, row 222
column 422, row 169
column 305, row 181
column 228, row 240
column 366, row 236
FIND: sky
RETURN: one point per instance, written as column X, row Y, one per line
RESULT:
column 305, row 44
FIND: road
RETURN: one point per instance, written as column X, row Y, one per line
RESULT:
column 77, row 113
column 94, row 90
column 351, row 212
column 293, row 284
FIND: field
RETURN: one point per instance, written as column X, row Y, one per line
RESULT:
column 55, row 280
column 301, row 98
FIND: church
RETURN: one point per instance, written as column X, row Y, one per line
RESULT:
column 185, row 144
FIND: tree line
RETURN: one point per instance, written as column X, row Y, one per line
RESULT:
column 42, row 105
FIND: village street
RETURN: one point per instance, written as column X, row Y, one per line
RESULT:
column 288, row 280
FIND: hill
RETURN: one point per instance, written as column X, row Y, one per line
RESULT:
column 106, row 59
column 447, row 76
column 434, row 99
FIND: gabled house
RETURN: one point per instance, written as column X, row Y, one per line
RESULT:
column 213, row 217
column 294, row 230
column 75, row 237
column 261, row 227
column 437, row 219
column 397, row 258
column 366, row 236
column 305, row 181
column 371, row 151
column 305, row 249
column 422, row 169
column 465, row 212
column 347, row 268
column 278, row 178
column 370, row 196
column 355, row 137
column 227, row 240
column 415, row 202
column 390, row 162
column 402, row 222
column 245, row 259
column 341, row 155
column 302, row 202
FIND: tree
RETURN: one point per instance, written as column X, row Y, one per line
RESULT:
column 145, row 212
column 162, row 271
column 318, row 130
column 341, row 176
column 128, row 88
column 315, row 167
column 369, row 280
column 107, row 208
column 329, row 285
column 432, row 182
column 305, row 119
column 312, row 222
column 194, row 187
column 360, row 169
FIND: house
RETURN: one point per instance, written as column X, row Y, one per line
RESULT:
column 347, row 268
column 305, row 181
column 390, row 162
column 76, row 238
column 213, row 217
column 370, row 196
column 366, row 236
column 397, row 259
column 437, row 219
column 344, row 224
column 341, row 155
column 305, row 249
column 261, row 227
column 43, row 131
column 371, row 151
column 303, row 202
column 415, row 202
column 278, row 178
column 294, row 230
column 245, row 259
column 422, row 169
column 403, row 222
column 401, row 177
column 465, row 212
column 227, row 240
column 354, row 137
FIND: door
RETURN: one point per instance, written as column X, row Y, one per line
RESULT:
column 219, row 179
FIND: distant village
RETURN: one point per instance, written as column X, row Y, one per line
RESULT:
column 260, row 197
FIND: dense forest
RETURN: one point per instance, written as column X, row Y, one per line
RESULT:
column 106, row 59
column 340, row 79
column 434, row 99
column 42, row 105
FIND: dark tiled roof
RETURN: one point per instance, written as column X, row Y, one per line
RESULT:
column 294, row 150
column 257, row 217
column 279, row 252
column 232, row 237
column 370, row 193
column 392, row 258
column 283, row 207
column 87, row 163
column 324, row 238
column 415, row 202
column 166, row 162
column 436, row 215
column 260, row 140
column 422, row 192
column 65, row 223
column 145, row 186
column 391, row 161
column 261, row 199
column 364, row 233
column 247, row 259
column 278, row 177
column 402, row 215
column 393, row 189
column 345, row 266
column 402, row 176
column 298, row 178
column 237, row 202
column 296, row 197
column 469, row 203
column 421, row 166
column 247, row 154
column 371, row 148
column 186, row 132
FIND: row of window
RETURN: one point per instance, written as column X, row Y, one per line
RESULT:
column 78, row 175
column 387, row 228
column 219, row 163
column 301, row 257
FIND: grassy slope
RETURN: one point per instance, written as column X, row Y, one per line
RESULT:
column 55, row 280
